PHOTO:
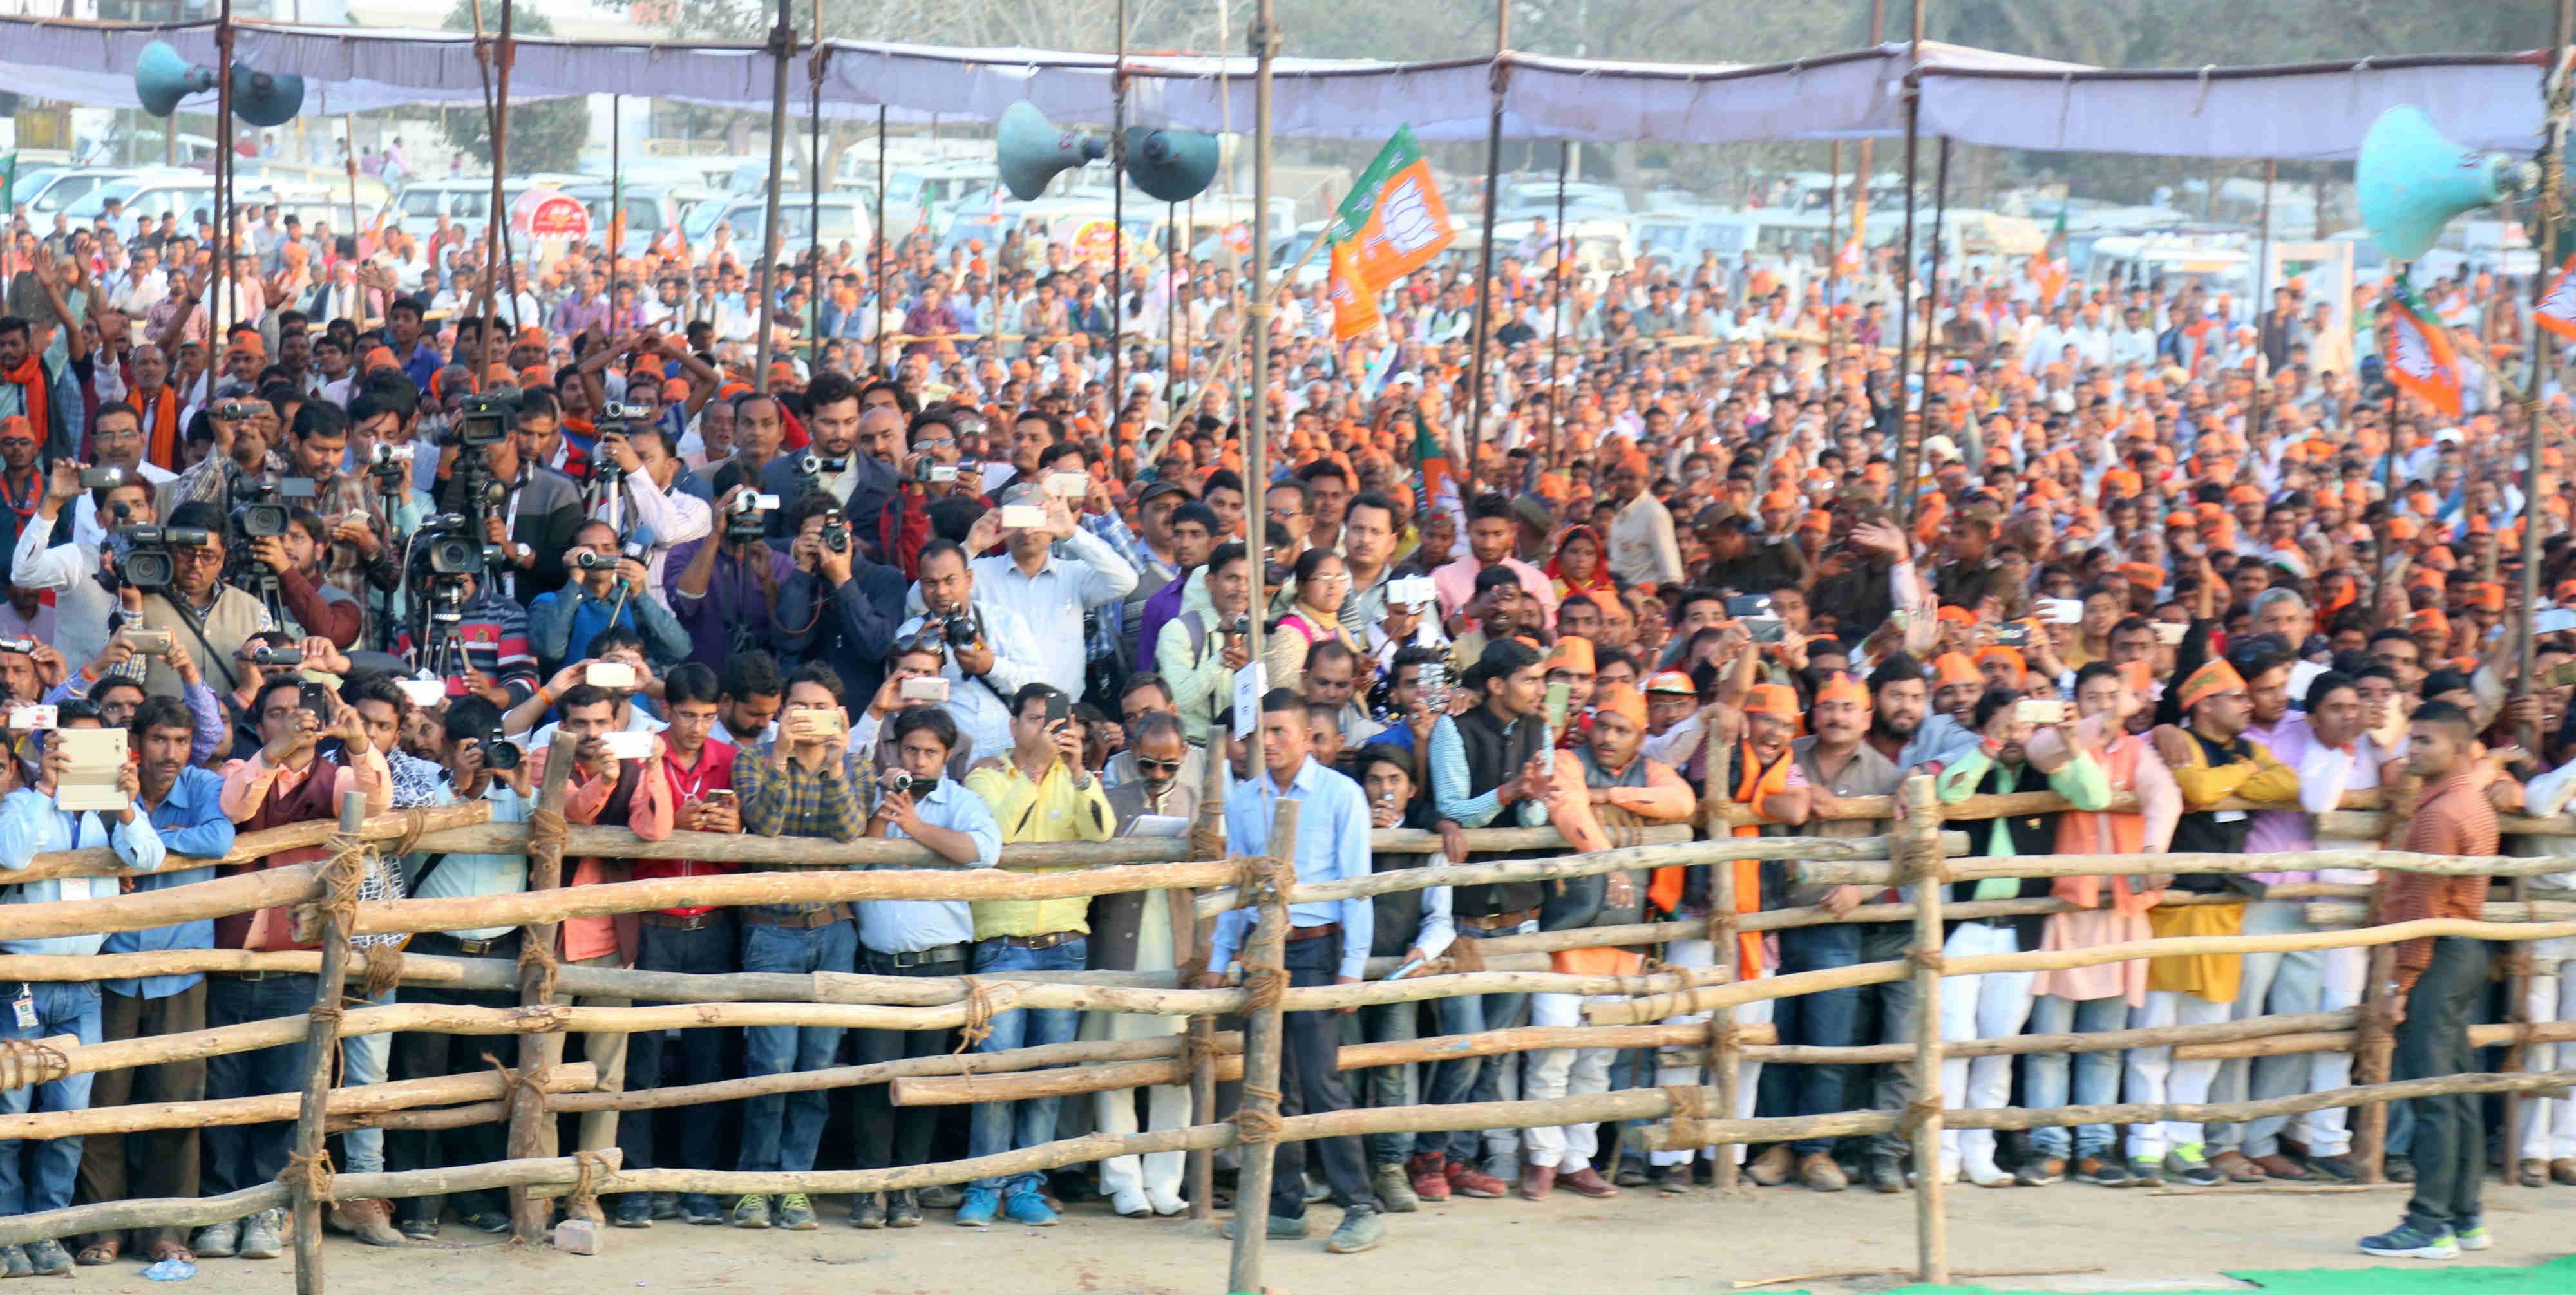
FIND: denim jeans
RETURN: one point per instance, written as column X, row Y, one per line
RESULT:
column 247, row 1155
column 780, row 1131
column 422, row 1054
column 1472, row 1079
column 1825, row 1019
column 1386, row 1086
column 362, row 1061
column 996, row 1127
column 50, row 1167
column 699, row 1130
column 2097, row 1074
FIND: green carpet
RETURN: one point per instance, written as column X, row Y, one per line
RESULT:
column 2440, row 1278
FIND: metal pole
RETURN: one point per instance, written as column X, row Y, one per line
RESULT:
column 223, row 300
column 1906, row 438
column 814, row 200
column 1118, row 231
column 495, row 219
column 1485, row 255
column 2262, row 292
column 1556, row 305
column 349, row 122
column 1833, row 248
column 1932, row 283
column 877, row 251
column 1171, row 304
column 616, row 189
column 782, row 44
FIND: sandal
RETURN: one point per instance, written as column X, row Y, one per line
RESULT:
column 97, row 1253
column 162, row 1250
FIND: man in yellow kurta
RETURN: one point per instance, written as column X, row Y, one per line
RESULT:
column 1039, row 792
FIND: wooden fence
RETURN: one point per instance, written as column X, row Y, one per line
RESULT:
column 1635, row 1014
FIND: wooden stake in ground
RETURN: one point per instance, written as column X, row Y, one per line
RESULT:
column 1265, row 977
column 532, row 1126
column 308, row 1171
column 1918, row 839
column 1724, row 1056
column 2378, row 1045
column 1207, row 841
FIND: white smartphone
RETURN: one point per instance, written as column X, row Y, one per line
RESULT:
column 630, row 745
column 1023, row 517
column 2039, row 711
column 1068, row 485
column 95, row 758
column 2062, row 611
column 609, row 674
column 23, row 718
column 2168, row 632
column 923, row 688
column 423, row 693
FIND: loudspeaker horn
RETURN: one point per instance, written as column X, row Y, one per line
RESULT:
column 1029, row 150
column 2411, row 181
column 1172, row 165
column 266, row 98
column 163, row 76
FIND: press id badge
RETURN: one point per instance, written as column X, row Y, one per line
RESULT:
column 25, row 1006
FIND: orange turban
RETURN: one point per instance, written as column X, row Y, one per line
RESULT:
column 1843, row 687
column 1572, row 652
column 2209, row 681
column 1621, row 699
column 1951, row 668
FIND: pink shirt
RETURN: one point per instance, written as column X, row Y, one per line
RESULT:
column 1456, row 585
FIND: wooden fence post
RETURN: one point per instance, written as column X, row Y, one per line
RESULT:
column 2517, row 1013
column 1918, row 845
column 1717, row 795
column 532, row 1125
column 2372, row 1052
column 1264, row 960
column 1207, row 841
column 308, row 1173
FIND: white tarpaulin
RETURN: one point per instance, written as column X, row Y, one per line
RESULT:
column 1975, row 96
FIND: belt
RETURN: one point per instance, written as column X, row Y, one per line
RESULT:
column 1497, row 921
column 1296, row 933
column 923, row 957
column 1046, row 941
column 694, row 922
column 762, row 915
column 475, row 947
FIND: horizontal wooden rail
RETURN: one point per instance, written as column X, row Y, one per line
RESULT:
column 396, row 1095
column 197, row 1211
column 1835, row 872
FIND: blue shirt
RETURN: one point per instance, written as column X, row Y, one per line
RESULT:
column 472, row 876
column 190, row 821
column 1332, row 845
column 912, row 925
column 29, row 825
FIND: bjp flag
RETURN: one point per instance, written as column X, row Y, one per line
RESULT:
column 1354, row 304
column 1393, row 219
column 2420, row 360
column 1847, row 259
column 2557, row 309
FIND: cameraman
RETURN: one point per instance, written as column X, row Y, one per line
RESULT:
column 118, row 440
column 540, row 511
column 241, row 426
column 656, row 505
column 988, row 658
column 610, row 594
column 928, row 452
column 313, row 607
column 724, row 587
column 860, row 485
column 841, row 608
column 501, row 666
column 208, row 616
column 82, row 605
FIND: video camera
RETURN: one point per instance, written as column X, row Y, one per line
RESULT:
column 454, row 546
column 745, row 521
column 482, row 421
column 901, row 782
column 141, row 556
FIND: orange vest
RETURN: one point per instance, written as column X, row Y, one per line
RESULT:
column 1752, row 783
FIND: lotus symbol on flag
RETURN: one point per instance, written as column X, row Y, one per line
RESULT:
column 548, row 213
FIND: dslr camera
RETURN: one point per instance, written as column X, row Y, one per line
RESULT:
column 836, row 531
column 499, row 752
column 957, row 629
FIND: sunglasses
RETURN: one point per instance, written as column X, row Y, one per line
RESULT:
column 1147, row 765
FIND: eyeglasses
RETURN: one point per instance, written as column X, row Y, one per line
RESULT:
column 1148, row 765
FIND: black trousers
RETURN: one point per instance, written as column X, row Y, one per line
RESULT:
column 888, row 1138
column 697, row 1131
column 2450, row 1134
column 422, row 1055
column 1310, row 1083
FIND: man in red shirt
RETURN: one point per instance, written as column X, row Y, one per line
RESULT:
column 696, row 939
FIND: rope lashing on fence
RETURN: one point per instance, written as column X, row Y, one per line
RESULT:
column 514, row 1082
column 547, row 832
column 1690, row 1110
column 583, row 1200
column 1258, row 1124
column 416, row 826
column 25, row 1063
column 384, row 971
column 344, row 877
column 979, row 1016
column 313, row 1173
column 1929, row 960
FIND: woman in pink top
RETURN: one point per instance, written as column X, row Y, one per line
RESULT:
column 1322, row 582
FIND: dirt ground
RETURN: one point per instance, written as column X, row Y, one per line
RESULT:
column 1639, row 1242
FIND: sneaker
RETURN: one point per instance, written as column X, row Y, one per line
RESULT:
column 1430, row 1175
column 2396, row 1168
column 941, row 1196
column 979, row 1207
column 2190, row 1168
column 2335, row 1168
column 1632, row 1172
column 868, row 1211
column 1318, row 1188
column 49, row 1259
column 1394, row 1190
column 634, row 1210
column 751, row 1212
column 2146, row 1172
column 701, row 1209
column 417, row 1228
column 489, row 1222
column 796, row 1213
column 1028, row 1209
column 13, row 1262
column 2407, row 1241
column 1278, row 1229
column 903, row 1210
column 665, row 1206
column 259, row 1235
column 2101, row 1172
column 1467, row 1180
column 1886, row 1173
column 1130, row 1203
column 1361, row 1229
column 2039, row 1171
column 215, row 1240
column 2471, row 1234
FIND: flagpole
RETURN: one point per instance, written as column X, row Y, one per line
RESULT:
column 1833, row 250
column 2552, row 179
column 1485, row 254
column 782, row 44
column 1932, row 283
column 1118, row 230
column 2259, row 401
column 1556, row 304
column 875, row 301
column 1905, row 439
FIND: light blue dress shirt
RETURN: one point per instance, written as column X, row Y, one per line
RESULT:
column 30, row 825
column 190, row 821
column 912, row 925
column 1332, row 845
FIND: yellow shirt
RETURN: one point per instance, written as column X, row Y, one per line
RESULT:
column 1050, row 809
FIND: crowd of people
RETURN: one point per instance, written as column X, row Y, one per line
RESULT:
column 356, row 526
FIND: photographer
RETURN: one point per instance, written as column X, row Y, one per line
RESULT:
column 501, row 666
column 860, row 483
column 313, row 607
column 1050, row 593
column 82, row 603
column 208, row 616
column 927, row 450
column 539, row 512
column 839, row 608
column 608, row 591
column 242, row 426
column 657, row 508
column 1199, row 651
column 724, row 588
column 988, row 661
column 117, row 439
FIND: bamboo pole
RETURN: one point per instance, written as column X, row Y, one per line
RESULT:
column 1207, row 837
column 192, row 1211
column 2480, row 1036
column 2348, row 913
column 1919, row 834
column 2217, row 1034
column 1724, row 1056
column 1264, row 1039
column 322, row 1055
column 971, row 1064
column 1837, row 873
column 532, row 1129
column 269, row 1108
column 100, row 861
column 2377, row 1047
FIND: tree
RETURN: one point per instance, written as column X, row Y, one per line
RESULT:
column 545, row 134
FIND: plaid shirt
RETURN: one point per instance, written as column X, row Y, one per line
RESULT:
column 1108, row 620
column 798, row 801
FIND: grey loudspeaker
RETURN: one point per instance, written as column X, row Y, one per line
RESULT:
column 1172, row 165
column 1029, row 150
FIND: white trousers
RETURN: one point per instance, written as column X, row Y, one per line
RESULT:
column 1156, row 1173
column 1564, row 1072
column 1702, row 953
column 2154, row 1076
column 2549, row 1123
column 1990, row 1006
